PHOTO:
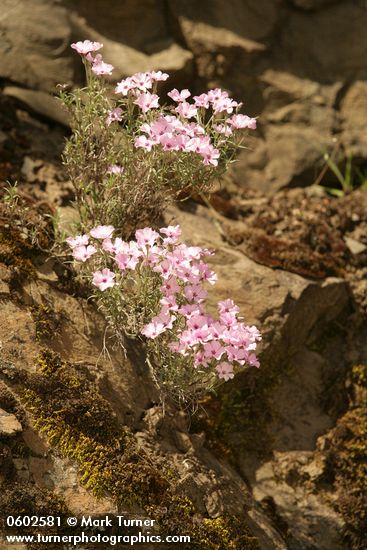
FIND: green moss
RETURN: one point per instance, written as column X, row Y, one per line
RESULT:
column 70, row 412
column 236, row 420
column 47, row 321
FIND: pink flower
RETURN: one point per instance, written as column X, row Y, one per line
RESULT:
column 147, row 101
column 158, row 75
column 209, row 154
column 242, row 121
column 173, row 232
column 144, row 143
column 142, row 81
column 83, row 253
column 253, row 360
column 104, row 279
column 122, row 259
column 224, row 104
column 228, row 306
column 170, row 286
column 83, row 48
column 186, row 110
column 201, row 100
column 215, row 95
column 102, row 232
column 179, row 96
column 114, row 116
column 115, row 169
column 213, row 350
column 195, row 293
column 79, row 240
column 159, row 324
column 225, row 371
column 222, row 129
column 146, row 236
column 124, row 86
column 100, row 68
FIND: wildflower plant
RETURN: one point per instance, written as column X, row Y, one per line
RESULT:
column 154, row 288
column 129, row 155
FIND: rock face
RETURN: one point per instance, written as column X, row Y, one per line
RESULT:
column 285, row 60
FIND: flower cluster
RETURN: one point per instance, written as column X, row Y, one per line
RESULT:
column 201, row 127
column 177, row 317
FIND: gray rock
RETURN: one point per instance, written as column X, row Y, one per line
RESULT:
column 42, row 103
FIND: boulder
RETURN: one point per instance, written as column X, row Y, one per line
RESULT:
column 34, row 49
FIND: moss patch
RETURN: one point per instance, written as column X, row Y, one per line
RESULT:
column 81, row 424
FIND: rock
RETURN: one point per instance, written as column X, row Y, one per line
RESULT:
column 9, row 425
column 40, row 102
column 354, row 120
column 34, row 49
column 356, row 247
column 253, row 20
column 310, row 44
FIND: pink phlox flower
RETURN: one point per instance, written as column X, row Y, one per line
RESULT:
column 195, row 293
column 253, row 360
column 102, row 231
column 115, row 169
column 99, row 67
column 188, row 273
column 79, row 240
column 160, row 127
column 228, row 306
column 114, row 248
column 216, row 94
column 242, row 121
column 206, row 274
column 201, row 335
column 210, row 155
column 225, row 371
column 158, row 76
column 124, row 86
column 224, row 104
column 177, row 96
column 254, row 332
column 201, row 100
column 164, row 268
column 104, row 279
column 170, row 286
column 213, row 350
column 146, row 237
column 142, row 81
column 197, row 321
column 192, row 129
column 200, row 360
column 172, row 232
column 159, row 324
column 83, row 253
column 147, row 101
column 189, row 310
column 169, row 302
column 222, row 129
column 228, row 319
column 115, row 115
column 144, row 143
column 87, row 46
column 122, row 259
column 234, row 353
column 169, row 142
column 186, row 110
